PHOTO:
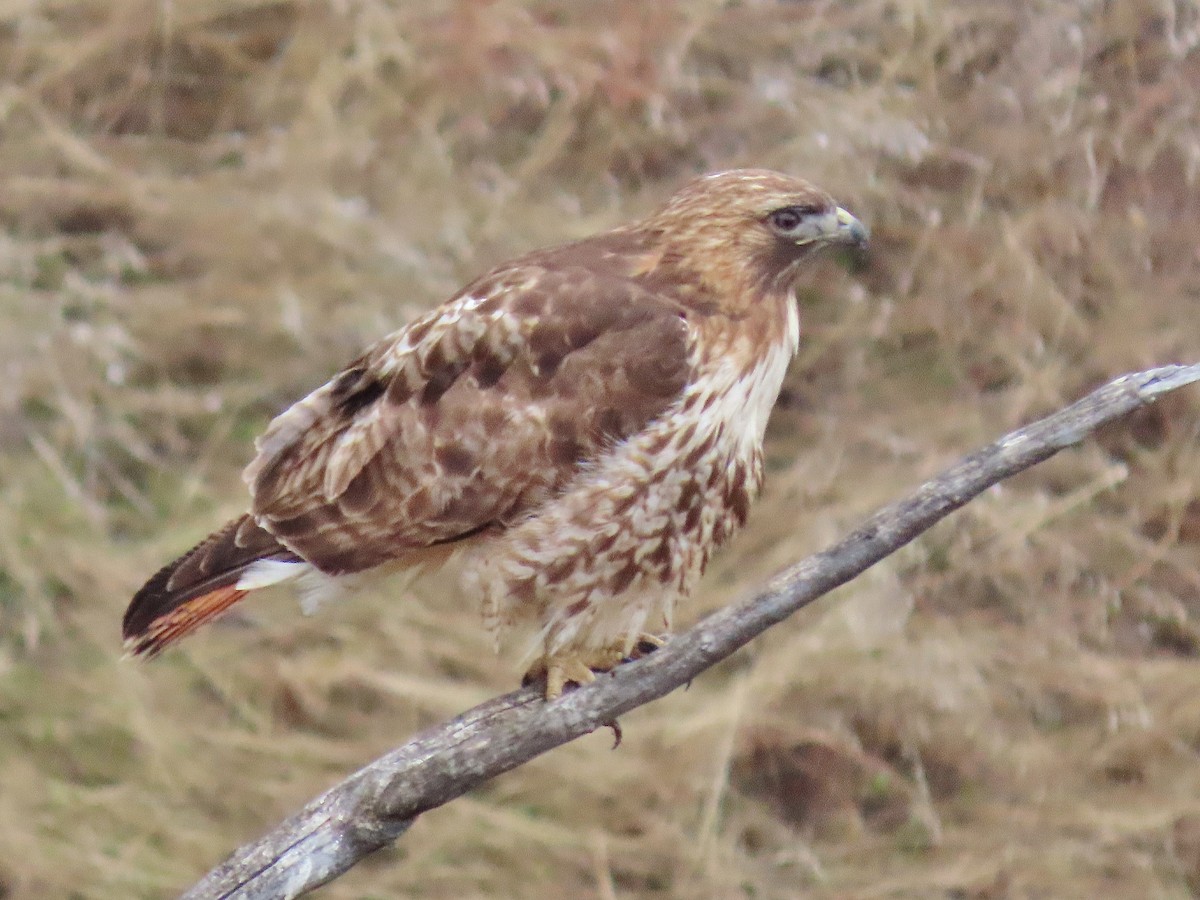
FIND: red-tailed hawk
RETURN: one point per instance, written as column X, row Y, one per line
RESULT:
column 582, row 426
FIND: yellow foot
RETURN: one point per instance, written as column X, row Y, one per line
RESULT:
column 580, row 666
column 572, row 667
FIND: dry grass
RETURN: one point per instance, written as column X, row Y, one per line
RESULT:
column 208, row 206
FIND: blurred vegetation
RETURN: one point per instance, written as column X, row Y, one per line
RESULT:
column 206, row 207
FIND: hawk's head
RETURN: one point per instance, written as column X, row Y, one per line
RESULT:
column 751, row 226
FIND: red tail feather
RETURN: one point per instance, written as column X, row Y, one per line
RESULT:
column 197, row 587
column 182, row 620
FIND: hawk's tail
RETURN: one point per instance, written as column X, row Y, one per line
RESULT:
column 202, row 584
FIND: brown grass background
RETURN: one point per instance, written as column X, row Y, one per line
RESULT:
column 207, row 206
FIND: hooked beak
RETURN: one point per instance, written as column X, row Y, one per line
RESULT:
column 845, row 229
column 834, row 227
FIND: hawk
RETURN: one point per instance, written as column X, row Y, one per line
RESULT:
column 581, row 427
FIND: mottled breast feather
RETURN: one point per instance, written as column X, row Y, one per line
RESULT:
column 474, row 415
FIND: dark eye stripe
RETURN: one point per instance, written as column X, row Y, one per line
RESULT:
column 785, row 219
column 788, row 218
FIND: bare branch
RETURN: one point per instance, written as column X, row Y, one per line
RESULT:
column 377, row 804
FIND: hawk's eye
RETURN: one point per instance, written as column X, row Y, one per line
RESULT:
column 789, row 218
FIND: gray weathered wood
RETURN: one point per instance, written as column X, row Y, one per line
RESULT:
column 377, row 804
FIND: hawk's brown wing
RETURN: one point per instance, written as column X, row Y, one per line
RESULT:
column 470, row 417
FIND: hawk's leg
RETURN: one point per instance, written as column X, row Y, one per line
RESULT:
column 577, row 666
column 581, row 665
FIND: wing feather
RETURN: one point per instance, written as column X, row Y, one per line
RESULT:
column 471, row 416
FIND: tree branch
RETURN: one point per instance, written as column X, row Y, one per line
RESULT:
column 377, row 804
